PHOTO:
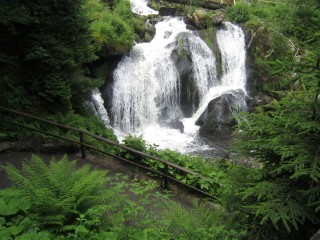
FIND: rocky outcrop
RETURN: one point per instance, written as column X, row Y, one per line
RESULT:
column 189, row 96
column 258, row 46
column 218, row 118
column 203, row 19
column 259, row 99
column 144, row 30
column 167, row 11
column 210, row 37
column 107, row 88
column 211, row 4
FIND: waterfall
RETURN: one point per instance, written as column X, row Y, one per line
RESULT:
column 140, row 7
column 97, row 104
column 231, row 41
column 146, row 82
column 147, row 92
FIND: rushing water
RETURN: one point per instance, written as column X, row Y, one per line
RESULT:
column 97, row 104
column 146, row 89
column 146, row 84
column 140, row 7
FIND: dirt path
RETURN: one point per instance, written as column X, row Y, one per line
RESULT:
column 113, row 167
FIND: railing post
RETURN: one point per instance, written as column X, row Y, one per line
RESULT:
column 82, row 147
column 166, row 173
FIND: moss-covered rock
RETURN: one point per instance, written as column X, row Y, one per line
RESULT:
column 210, row 37
column 189, row 95
column 144, row 29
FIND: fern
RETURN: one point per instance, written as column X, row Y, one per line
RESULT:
column 201, row 222
column 278, row 203
column 59, row 192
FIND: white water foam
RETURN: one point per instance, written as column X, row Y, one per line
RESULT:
column 140, row 7
column 98, row 106
column 147, row 83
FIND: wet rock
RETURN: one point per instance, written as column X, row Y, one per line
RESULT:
column 217, row 118
column 189, row 95
column 167, row 11
column 145, row 30
column 218, row 17
column 107, row 89
column 202, row 19
column 176, row 124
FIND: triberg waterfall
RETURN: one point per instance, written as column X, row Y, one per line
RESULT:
column 147, row 88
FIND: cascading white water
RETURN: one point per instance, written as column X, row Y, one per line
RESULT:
column 140, row 7
column 231, row 41
column 97, row 104
column 146, row 82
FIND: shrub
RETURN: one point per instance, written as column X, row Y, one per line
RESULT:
column 238, row 13
column 59, row 193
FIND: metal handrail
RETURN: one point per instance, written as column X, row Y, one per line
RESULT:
column 83, row 145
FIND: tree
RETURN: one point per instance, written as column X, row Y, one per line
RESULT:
column 44, row 45
column 282, row 202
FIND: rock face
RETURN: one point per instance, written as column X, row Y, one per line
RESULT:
column 107, row 89
column 218, row 117
column 145, row 32
column 203, row 19
column 189, row 96
column 167, row 11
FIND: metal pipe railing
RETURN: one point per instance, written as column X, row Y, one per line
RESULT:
column 83, row 146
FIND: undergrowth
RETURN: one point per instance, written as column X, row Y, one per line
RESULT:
column 63, row 201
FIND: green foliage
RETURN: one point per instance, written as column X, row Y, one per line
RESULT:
column 127, row 219
column 203, row 221
column 90, row 123
column 276, row 198
column 13, row 208
column 285, row 141
column 43, row 54
column 196, row 164
column 111, row 27
column 60, row 198
column 59, row 193
column 122, row 8
column 238, row 13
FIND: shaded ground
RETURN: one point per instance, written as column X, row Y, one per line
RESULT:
column 113, row 166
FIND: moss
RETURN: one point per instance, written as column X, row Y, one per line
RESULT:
column 210, row 37
column 101, row 72
column 207, row 39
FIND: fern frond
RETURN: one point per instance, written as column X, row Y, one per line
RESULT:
column 60, row 191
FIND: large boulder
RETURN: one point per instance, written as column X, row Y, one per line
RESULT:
column 218, row 118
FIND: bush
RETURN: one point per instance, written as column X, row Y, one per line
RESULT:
column 59, row 193
column 112, row 28
column 238, row 13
